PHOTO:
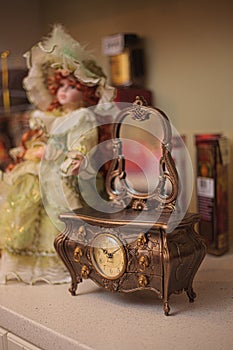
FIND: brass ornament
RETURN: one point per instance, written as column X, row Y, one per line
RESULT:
column 141, row 240
column 81, row 234
column 85, row 272
column 142, row 281
column 143, row 262
column 77, row 254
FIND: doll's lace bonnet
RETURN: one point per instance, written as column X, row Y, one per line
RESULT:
column 60, row 51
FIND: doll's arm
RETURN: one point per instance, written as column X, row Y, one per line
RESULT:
column 79, row 145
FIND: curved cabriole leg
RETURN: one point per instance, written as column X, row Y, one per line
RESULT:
column 191, row 294
column 200, row 252
column 73, row 288
column 59, row 244
column 166, row 308
column 74, row 285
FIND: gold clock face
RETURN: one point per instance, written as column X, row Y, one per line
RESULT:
column 108, row 256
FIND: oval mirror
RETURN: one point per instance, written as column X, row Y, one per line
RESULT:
column 142, row 173
column 141, row 147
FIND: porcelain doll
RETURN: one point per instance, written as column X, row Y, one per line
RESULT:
column 62, row 82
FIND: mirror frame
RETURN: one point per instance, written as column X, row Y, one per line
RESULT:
column 125, row 195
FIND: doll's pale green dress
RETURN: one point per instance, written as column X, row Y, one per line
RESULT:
column 27, row 232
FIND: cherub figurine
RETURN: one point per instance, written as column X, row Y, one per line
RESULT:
column 62, row 82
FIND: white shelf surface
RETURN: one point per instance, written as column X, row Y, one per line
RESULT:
column 50, row 318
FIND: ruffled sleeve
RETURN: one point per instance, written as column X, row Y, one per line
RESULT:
column 82, row 137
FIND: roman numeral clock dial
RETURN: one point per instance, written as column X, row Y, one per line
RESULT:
column 108, row 256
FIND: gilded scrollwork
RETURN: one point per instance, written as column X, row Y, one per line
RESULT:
column 141, row 241
column 142, row 281
column 143, row 262
column 110, row 285
column 140, row 204
column 78, row 254
column 138, row 112
column 81, row 234
column 85, row 271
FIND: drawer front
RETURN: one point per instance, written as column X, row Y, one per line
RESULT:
column 143, row 268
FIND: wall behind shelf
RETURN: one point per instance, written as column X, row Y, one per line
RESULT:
column 188, row 46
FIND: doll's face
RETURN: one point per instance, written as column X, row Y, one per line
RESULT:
column 68, row 95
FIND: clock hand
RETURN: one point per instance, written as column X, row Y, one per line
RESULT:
column 115, row 251
column 110, row 255
column 104, row 251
